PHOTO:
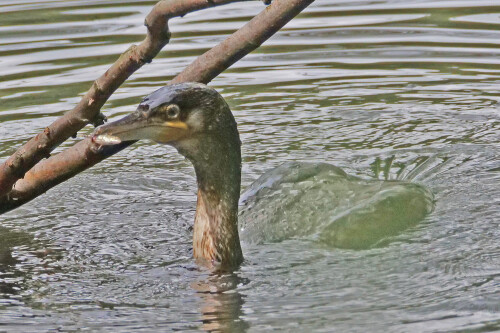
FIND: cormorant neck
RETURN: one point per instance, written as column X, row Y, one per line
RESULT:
column 217, row 163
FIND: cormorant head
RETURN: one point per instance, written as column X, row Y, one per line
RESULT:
column 180, row 115
column 197, row 121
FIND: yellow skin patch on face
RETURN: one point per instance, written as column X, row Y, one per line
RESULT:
column 176, row 124
column 169, row 131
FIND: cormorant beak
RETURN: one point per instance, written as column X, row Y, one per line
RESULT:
column 140, row 125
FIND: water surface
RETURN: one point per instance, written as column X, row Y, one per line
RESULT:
column 383, row 89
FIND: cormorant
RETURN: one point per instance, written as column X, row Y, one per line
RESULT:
column 197, row 121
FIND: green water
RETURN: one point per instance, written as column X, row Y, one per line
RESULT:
column 382, row 89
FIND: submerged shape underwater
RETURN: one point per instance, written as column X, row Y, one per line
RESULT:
column 403, row 97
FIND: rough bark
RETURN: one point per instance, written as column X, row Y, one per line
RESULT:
column 87, row 153
column 55, row 170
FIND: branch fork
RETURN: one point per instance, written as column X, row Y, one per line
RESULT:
column 24, row 175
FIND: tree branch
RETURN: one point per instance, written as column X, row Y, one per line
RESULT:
column 55, row 170
column 88, row 109
column 87, row 153
column 213, row 62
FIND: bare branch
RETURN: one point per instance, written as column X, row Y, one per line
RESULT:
column 87, row 153
column 57, row 169
column 88, row 109
column 213, row 62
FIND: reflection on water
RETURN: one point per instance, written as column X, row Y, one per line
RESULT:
column 383, row 89
column 221, row 303
column 9, row 285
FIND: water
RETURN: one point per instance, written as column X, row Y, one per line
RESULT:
column 382, row 89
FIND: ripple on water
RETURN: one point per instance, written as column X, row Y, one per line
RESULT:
column 385, row 90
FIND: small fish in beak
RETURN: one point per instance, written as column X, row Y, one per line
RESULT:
column 105, row 139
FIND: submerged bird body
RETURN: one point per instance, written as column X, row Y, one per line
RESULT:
column 320, row 202
column 197, row 121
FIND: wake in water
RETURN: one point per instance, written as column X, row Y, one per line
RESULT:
column 320, row 201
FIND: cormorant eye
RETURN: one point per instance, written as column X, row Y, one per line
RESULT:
column 173, row 111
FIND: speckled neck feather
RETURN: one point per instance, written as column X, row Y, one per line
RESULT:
column 215, row 235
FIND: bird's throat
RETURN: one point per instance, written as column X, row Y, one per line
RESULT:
column 218, row 171
column 215, row 236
